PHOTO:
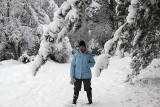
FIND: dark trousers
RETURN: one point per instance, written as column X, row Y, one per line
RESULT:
column 86, row 82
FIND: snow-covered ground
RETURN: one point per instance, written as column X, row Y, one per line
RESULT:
column 51, row 87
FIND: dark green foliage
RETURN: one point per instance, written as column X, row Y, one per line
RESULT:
column 145, row 47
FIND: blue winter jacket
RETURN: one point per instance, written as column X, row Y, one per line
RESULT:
column 81, row 64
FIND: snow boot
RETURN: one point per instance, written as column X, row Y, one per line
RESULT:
column 75, row 97
column 89, row 96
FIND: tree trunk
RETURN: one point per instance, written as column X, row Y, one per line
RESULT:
column 19, row 50
column 15, row 55
column 111, row 8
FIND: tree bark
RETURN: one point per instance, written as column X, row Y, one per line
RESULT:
column 15, row 55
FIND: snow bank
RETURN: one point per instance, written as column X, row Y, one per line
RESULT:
column 9, row 63
column 51, row 88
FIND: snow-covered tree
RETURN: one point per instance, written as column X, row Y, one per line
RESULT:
column 99, row 25
column 62, row 51
column 95, row 47
column 68, row 17
column 21, row 24
column 137, row 35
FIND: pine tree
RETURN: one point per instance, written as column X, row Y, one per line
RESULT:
column 137, row 35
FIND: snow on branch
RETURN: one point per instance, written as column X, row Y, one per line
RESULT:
column 103, row 59
column 66, row 18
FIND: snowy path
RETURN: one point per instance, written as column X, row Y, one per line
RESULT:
column 51, row 88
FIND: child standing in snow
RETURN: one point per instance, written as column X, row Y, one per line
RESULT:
column 80, row 71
